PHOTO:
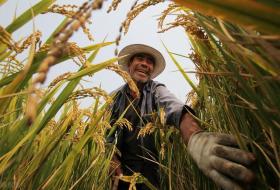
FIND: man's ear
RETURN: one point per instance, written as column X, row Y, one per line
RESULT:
column 129, row 63
column 128, row 66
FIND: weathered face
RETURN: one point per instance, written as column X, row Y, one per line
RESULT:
column 141, row 67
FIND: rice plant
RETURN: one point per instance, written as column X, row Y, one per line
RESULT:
column 236, row 53
column 49, row 142
column 238, row 75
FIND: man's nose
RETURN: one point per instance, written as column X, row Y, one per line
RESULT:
column 144, row 62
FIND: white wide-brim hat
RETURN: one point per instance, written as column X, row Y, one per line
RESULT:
column 133, row 49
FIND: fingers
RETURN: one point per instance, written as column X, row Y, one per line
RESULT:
column 225, row 139
column 234, row 170
column 234, row 154
column 116, row 182
column 118, row 171
column 223, row 181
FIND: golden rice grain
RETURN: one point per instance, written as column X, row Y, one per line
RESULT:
column 122, row 122
column 126, row 77
column 66, row 10
column 147, row 130
column 136, row 10
column 113, row 5
column 60, row 42
column 91, row 92
column 58, row 79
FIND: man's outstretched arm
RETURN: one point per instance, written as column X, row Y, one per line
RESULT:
column 188, row 126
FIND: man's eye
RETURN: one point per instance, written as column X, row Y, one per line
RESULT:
column 140, row 58
column 150, row 60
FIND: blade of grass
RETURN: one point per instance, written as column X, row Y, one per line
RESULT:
column 186, row 77
column 68, row 162
column 11, row 88
column 25, row 17
column 39, row 123
column 39, row 58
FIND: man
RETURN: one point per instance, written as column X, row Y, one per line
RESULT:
column 213, row 152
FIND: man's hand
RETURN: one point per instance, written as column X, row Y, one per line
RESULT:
column 217, row 156
column 116, row 166
column 116, row 169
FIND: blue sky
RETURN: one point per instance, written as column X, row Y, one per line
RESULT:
column 142, row 30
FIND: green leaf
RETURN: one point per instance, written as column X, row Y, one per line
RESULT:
column 93, row 68
column 186, row 77
column 39, row 58
column 25, row 17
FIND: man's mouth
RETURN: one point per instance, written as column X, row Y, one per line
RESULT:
column 142, row 72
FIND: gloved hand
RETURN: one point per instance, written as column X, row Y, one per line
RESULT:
column 219, row 159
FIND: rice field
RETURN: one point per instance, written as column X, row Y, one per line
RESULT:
column 49, row 142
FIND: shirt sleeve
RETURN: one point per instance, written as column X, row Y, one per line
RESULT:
column 173, row 107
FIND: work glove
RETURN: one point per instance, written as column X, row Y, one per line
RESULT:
column 219, row 159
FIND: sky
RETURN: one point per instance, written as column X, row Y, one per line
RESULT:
column 143, row 30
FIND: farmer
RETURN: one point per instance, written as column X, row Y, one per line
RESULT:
column 214, row 153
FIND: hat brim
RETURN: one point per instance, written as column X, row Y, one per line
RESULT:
column 133, row 49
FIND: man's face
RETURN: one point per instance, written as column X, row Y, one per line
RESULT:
column 141, row 67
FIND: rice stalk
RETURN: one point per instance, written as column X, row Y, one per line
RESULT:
column 13, row 86
column 57, row 47
column 68, row 162
column 33, row 152
column 65, row 147
column 238, row 80
column 261, row 16
column 40, row 56
column 93, row 92
column 70, row 12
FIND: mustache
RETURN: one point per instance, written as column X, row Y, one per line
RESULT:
column 143, row 69
column 146, row 71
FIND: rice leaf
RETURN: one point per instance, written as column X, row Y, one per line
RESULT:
column 25, row 17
